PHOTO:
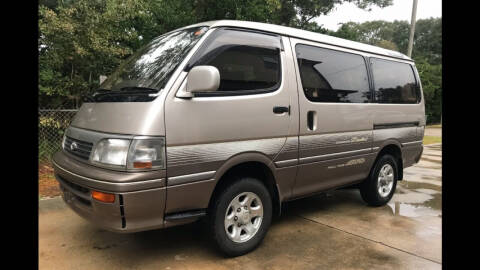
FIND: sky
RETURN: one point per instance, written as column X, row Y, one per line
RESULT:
column 400, row 10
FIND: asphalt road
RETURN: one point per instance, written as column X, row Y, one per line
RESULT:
column 331, row 231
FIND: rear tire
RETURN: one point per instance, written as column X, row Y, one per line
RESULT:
column 240, row 216
column 379, row 187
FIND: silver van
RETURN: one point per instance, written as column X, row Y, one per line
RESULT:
column 229, row 119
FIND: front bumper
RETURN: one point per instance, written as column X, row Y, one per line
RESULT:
column 139, row 196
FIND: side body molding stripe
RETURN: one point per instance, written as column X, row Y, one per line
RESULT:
column 286, row 163
column 412, row 143
column 335, row 155
column 189, row 178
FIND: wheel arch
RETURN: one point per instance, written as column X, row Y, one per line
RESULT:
column 393, row 148
column 248, row 164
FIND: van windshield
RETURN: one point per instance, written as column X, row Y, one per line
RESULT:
column 147, row 71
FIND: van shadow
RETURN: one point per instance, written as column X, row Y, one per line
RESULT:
column 337, row 202
column 192, row 241
column 163, row 245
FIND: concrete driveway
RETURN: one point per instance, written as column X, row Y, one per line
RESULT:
column 331, row 231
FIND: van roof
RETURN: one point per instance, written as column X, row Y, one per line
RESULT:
column 303, row 34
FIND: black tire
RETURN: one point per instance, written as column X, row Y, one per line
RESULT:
column 369, row 188
column 218, row 210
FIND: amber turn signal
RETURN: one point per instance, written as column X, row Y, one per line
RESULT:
column 142, row 165
column 103, row 197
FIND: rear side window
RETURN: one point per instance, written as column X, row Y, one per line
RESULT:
column 248, row 62
column 394, row 82
column 332, row 76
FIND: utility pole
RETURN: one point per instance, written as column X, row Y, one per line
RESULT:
column 412, row 28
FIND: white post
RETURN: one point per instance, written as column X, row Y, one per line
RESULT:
column 412, row 28
column 102, row 78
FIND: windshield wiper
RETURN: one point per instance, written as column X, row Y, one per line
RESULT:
column 100, row 91
column 139, row 89
column 90, row 97
column 124, row 94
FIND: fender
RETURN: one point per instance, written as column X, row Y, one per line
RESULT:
column 251, row 157
column 378, row 149
column 387, row 142
column 243, row 158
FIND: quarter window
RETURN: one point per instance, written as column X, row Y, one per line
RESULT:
column 248, row 62
column 394, row 82
column 332, row 76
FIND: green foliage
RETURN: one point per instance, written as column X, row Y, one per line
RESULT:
column 431, row 77
column 428, row 40
column 83, row 39
column 46, row 149
column 308, row 9
column 376, row 32
column 387, row 44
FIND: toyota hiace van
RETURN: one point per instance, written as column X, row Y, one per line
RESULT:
column 227, row 120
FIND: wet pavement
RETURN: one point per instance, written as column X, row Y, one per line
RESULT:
column 335, row 230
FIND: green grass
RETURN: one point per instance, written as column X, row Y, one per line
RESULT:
column 431, row 139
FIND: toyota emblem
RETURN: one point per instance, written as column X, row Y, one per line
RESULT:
column 73, row 146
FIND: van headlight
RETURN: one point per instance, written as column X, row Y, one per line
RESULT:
column 111, row 152
column 141, row 153
column 146, row 153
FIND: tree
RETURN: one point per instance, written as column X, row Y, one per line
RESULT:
column 294, row 13
column 386, row 44
column 428, row 40
column 83, row 39
column 431, row 78
column 308, row 9
column 374, row 32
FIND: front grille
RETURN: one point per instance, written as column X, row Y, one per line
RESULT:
column 80, row 148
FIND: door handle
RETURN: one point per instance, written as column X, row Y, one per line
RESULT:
column 281, row 109
column 312, row 120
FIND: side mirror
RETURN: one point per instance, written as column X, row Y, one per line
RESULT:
column 203, row 79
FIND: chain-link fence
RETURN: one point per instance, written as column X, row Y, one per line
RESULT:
column 51, row 126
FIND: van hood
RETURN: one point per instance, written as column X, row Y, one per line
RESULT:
column 130, row 118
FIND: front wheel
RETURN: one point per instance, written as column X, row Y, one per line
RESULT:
column 240, row 216
column 380, row 186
